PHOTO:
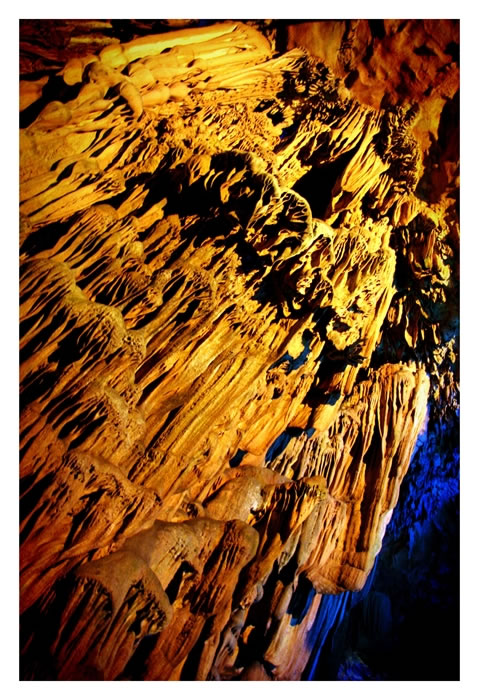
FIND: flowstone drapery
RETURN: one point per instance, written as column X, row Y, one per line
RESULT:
column 238, row 292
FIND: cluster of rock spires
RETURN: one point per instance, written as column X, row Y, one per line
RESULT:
column 239, row 280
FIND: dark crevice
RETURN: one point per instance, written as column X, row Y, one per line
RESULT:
column 316, row 186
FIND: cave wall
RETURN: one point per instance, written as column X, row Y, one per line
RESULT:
column 404, row 624
column 239, row 283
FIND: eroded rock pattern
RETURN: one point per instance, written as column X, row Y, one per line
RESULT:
column 238, row 294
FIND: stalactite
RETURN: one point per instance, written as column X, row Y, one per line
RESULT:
column 236, row 303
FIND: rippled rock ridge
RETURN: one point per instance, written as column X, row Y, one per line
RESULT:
column 239, row 278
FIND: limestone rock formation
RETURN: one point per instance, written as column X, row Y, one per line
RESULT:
column 238, row 295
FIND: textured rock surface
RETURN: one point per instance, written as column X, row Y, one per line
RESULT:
column 238, row 294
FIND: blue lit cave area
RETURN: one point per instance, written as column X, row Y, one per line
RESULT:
column 404, row 624
column 239, row 350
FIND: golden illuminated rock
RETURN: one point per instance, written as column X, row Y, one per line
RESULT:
column 238, row 280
